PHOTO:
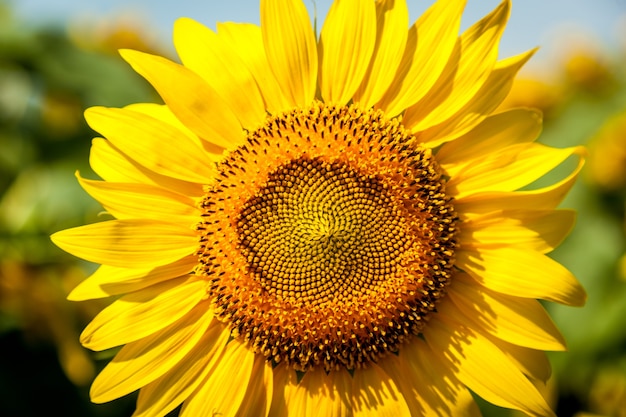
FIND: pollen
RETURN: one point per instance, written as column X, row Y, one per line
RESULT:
column 328, row 238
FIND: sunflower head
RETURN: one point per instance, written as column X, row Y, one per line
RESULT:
column 326, row 224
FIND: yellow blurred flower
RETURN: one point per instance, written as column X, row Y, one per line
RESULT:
column 607, row 155
column 534, row 93
column 588, row 70
column 607, row 396
column 108, row 34
column 61, row 114
column 34, row 297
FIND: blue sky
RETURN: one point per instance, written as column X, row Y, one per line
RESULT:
column 533, row 22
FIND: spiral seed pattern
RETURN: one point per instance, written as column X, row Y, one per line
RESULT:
column 314, row 231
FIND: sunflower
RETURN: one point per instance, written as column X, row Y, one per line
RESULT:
column 326, row 226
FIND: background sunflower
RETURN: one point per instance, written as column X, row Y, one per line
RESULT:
column 50, row 73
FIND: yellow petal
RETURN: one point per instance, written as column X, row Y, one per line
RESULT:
column 259, row 393
column 482, row 104
column 142, row 313
column 540, row 230
column 190, row 98
column 508, row 170
column 162, row 396
column 376, row 393
column 469, row 67
column 428, row 388
column 202, row 51
column 483, row 367
column 345, row 48
column 285, row 384
column 163, row 113
column 248, row 40
column 533, row 363
column 446, row 386
column 139, row 363
column 112, row 165
column 392, row 20
column 494, row 133
column 128, row 243
column 291, row 48
column 399, row 369
column 127, row 201
column 546, row 198
column 429, row 45
column 112, row 280
column 522, row 273
column 154, row 144
column 328, row 394
column 521, row 321
column 222, row 393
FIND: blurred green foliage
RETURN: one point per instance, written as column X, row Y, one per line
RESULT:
column 47, row 79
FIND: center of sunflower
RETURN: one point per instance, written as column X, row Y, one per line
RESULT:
column 327, row 238
column 319, row 233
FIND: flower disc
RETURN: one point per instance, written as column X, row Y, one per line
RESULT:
column 339, row 243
